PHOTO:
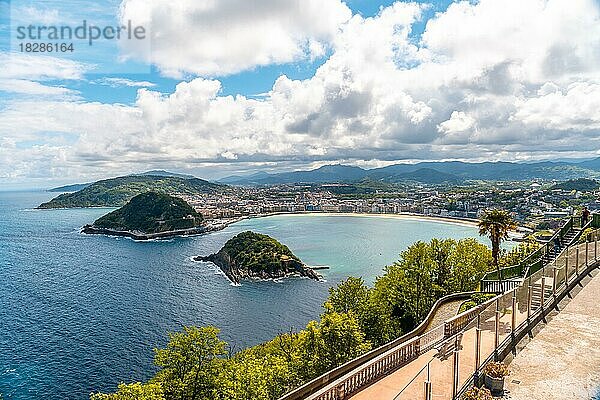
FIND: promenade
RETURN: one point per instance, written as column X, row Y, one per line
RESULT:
column 571, row 347
column 562, row 362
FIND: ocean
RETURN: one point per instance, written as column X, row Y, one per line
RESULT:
column 82, row 313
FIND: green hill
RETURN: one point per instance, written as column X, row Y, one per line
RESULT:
column 253, row 255
column 116, row 192
column 581, row 184
column 151, row 213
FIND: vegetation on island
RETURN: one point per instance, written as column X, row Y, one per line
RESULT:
column 151, row 212
column 254, row 255
column 196, row 364
column 116, row 192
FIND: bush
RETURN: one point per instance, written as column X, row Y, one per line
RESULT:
column 496, row 370
column 476, row 299
column 478, row 394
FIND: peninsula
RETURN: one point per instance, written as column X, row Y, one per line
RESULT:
column 150, row 215
column 251, row 255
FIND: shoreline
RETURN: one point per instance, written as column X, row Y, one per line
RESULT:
column 410, row 216
column 220, row 224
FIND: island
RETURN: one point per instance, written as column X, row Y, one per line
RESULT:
column 251, row 255
column 116, row 192
column 150, row 215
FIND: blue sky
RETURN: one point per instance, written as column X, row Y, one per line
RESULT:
column 238, row 86
column 103, row 54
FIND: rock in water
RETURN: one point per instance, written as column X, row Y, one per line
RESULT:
column 252, row 255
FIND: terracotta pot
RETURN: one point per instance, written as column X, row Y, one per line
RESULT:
column 496, row 385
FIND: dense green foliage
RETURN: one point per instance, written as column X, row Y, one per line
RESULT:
column 151, row 213
column 581, row 184
column 403, row 296
column 133, row 391
column 475, row 300
column 118, row 191
column 194, row 365
column 256, row 252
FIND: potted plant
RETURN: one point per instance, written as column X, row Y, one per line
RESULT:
column 494, row 374
column 476, row 393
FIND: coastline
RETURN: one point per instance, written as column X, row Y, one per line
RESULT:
column 92, row 230
column 410, row 216
column 220, row 224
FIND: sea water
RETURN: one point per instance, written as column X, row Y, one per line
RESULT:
column 82, row 313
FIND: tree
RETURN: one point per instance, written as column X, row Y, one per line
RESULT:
column 496, row 224
column 470, row 261
column 329, row 343
column 351, row 295
column 256, row 373
column 133, row 391
column 407, row 290
column 441, row 251
column 190, row 363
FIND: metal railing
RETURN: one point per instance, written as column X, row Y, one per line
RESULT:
column 500, row 324
column 518, row 302
column 510, row 277
column 323, row 384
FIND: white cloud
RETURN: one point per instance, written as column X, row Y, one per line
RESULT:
column 26, row 87
column 227, row 36
column 38, row 67
column 515, row 81
column 120, row 82
column 458, row 122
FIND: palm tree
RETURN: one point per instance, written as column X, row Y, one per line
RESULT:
column 496, row 224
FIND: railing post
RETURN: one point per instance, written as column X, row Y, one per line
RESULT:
column 529, row 301
column 341, row 392
column 477, row 350
column 427, row 390
column 428, row 385
column 577, row 261
column 596, row 247
column 554, row 285
column 586, row 253
column 514, row 313
column 567, row 251
column 455, row 370
column 543, row 300
column 497, row 328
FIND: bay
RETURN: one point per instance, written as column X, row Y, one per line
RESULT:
column 82, row 313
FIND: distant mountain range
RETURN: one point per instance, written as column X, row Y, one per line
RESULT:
column 429, row 173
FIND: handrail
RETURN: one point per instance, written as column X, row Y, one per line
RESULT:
column 320, row 382
column 524, row 267
column 510, row 342
column 413, row 379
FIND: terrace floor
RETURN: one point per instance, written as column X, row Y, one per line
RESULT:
column 562, row 362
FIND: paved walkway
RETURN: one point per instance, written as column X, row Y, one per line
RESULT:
column 562, row 362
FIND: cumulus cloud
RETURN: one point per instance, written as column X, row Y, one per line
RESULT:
column 517, row 79
column 227, row 36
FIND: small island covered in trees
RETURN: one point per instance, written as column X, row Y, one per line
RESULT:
column 252, row 255
column 150, row 215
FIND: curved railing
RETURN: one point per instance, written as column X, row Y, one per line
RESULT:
column 378, row 362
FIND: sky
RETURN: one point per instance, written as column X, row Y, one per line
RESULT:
column 223, row 87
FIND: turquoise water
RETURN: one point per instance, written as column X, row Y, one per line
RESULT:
column 82, row 313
